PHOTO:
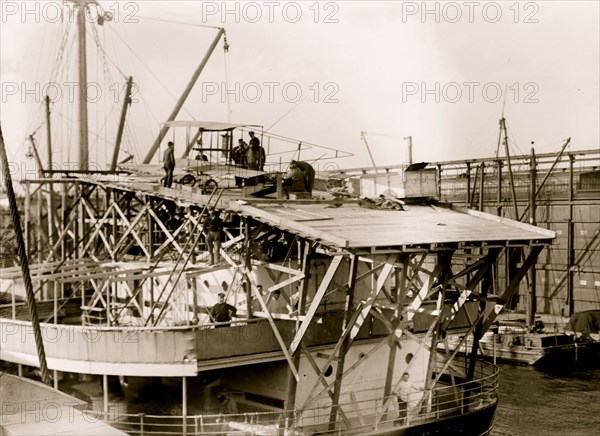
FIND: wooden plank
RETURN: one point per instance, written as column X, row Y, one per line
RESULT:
column 292, row 225
column 314, row 305
column 544, row 233
column 318, row 371
column 385, row 272
column 512, row 287
column 280, row 340
column 298, row 214
column 299, row 276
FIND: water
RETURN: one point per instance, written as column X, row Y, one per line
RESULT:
column 533, row 402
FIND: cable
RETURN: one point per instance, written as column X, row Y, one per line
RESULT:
column 183, row 23
column 104, row 54
column 22, row 253
column 284, row 115
column 151, row 72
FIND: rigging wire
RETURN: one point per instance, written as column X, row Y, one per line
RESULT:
column 151, row 72
column 108, row 78
column 61, row 52
column 178, row 22
column 383, row 134
column 285, row 115
column 61, row 71
column 308, row 144
column 41, row 104
column 513, row 141
column 132, row 141
column 105, row 55
column 147, row 111
column 129, row 143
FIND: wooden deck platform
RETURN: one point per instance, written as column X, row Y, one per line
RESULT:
column 347, row 225
column 351, row 226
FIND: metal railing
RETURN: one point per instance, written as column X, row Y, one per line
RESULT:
column 362, row 411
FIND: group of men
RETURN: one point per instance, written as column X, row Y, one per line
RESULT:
column 251, row 155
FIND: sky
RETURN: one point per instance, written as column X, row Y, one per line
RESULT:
column 319, row 72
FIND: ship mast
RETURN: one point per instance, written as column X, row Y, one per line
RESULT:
column 83, row 151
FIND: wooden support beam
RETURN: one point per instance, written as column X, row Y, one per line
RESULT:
column 352, row 323
column 131, row 228
column 314, row 305
column 97, row 228
column 64, row 233
column 513, row 286
column 306, row 254
column 171, row 240
column 484, row 267
column 450, row 359
column 348, row 307
column 423, row 292
column 400, row 295
column 92, row 214
column 299, row 276
column 487, row 283
column 364, row 312
column 280, row 340
column 311, row 398
column 317, row 370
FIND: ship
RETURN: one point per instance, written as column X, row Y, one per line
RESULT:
column 378, row 288
column 124, row 286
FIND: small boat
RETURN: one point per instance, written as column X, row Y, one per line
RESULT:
column 511, row 344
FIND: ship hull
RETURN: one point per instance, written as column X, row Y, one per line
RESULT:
column 478, row 422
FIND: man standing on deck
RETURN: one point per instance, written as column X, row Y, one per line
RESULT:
column 222, row 312
column 256, row 154
column 213, row 228
column 169, row 164
column 406, row 399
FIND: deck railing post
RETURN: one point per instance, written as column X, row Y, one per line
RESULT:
column 141, row 424
column 184, row 403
